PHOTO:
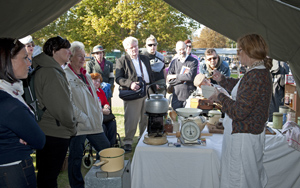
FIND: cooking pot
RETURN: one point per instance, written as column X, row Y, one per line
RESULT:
column 214, row 116
column 111, row 159
column 156, row 103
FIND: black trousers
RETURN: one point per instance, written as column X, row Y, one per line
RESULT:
column 50, row 160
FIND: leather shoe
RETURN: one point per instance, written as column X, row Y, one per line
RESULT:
column 127, row 147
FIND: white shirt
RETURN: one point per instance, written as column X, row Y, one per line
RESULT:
column 138, row 70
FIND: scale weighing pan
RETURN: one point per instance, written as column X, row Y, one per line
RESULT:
column 188, row 112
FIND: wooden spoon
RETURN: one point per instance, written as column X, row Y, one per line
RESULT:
column 173, row 115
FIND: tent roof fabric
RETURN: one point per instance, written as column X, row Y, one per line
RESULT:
column 21, row 18
column 275, row 21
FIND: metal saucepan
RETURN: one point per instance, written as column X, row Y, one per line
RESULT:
column 112, row 159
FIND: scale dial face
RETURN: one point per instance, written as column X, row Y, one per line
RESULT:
column 190, row 131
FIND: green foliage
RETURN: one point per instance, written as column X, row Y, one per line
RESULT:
column 108, row 22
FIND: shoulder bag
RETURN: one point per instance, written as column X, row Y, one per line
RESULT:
column 128, row 94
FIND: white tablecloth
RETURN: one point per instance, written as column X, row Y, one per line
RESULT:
column 199, row 166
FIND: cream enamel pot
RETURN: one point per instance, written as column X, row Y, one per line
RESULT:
column 111, row 159
column 214, row 116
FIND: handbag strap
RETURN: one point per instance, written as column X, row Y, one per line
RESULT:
column 141, row 67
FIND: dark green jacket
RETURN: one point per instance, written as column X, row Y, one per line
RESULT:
column 53, row 92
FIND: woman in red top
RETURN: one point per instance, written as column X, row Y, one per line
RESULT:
column 110, row 127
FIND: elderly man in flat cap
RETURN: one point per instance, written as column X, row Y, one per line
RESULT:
column 100, row 65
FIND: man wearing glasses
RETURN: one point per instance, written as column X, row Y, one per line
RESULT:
column 189, row 49
column 156, row 62
column 128, row 69
column 212, row 62
column 181, row 74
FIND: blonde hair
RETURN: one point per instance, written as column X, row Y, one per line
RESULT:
column 151, row 38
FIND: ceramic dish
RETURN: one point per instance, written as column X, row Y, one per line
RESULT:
column 188, row 112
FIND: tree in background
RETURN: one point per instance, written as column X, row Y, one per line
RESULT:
column 108, row 22
column 212, row 39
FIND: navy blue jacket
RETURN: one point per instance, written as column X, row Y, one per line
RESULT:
column 16, row 121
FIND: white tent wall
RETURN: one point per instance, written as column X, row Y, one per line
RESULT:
column 277, row 23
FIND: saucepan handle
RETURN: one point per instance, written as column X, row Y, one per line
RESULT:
column 101, row 163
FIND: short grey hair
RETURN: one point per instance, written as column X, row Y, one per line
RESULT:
column 75, row 46
column 129, row 40
column 179, row 44
column 151, row 38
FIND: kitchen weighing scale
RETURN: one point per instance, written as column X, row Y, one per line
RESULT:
column 189, row 132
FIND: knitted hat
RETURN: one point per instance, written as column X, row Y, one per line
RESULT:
column 199, row 79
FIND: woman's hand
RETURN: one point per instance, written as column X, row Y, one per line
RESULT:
column 217, row 75
column 23, row 142
column 106, row 107
column 105, row 111
column 214, row 96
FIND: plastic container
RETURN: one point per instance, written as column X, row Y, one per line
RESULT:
column 277, row 120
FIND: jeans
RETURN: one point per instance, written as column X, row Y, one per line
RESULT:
column 98, row 141
column 110, row 129
column 19, row 175
column 50, row 160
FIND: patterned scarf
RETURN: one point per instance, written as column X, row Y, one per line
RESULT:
column 15, row 90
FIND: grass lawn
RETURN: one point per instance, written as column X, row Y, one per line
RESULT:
column 63, row 181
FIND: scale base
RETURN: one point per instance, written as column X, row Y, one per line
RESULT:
column 186, row 142
column 152, row 140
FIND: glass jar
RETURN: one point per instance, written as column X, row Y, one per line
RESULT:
column 291, row 116
column 277, row 120
column 291, row 100
column 287, row 99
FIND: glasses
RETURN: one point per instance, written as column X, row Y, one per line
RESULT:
column 238, row 51
column 189, row 46
column 214, row 58
column 152, row 45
